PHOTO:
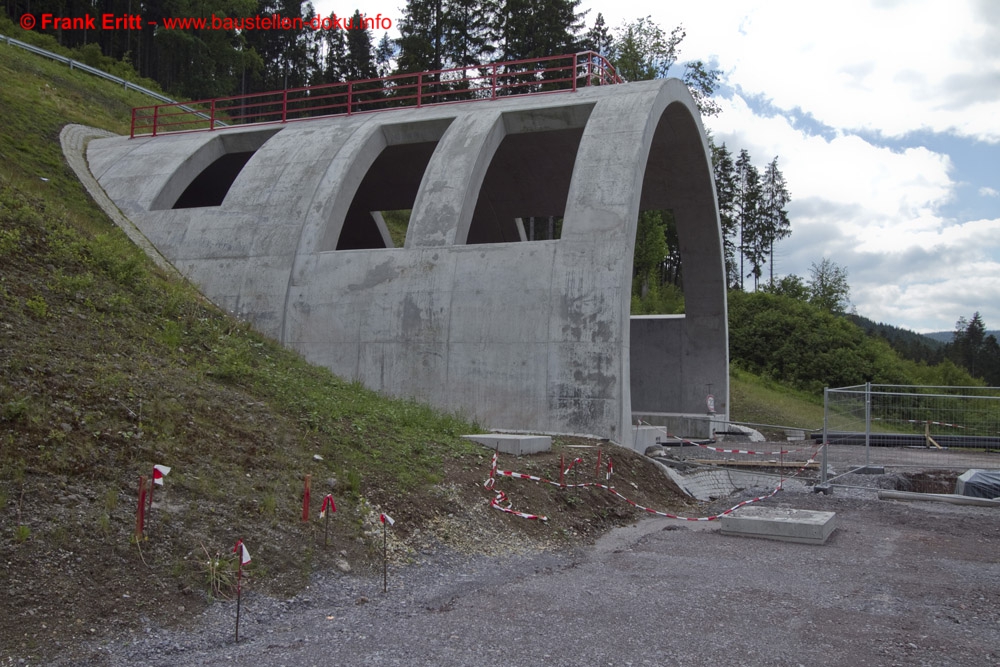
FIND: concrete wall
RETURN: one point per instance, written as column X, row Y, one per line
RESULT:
column 520, row 335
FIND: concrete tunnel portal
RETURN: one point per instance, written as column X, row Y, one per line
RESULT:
column 473, row 311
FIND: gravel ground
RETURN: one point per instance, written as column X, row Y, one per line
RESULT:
column 896, row 584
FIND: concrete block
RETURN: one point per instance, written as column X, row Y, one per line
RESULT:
column 647, row 436
column 509, row 443
column 787, row 525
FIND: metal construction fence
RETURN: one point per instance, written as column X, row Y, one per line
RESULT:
column 909, row 426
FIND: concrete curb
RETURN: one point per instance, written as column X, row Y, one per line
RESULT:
column 74, row 140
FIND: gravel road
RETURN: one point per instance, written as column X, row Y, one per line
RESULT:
column 896, row 584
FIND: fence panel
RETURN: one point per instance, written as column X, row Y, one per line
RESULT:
column 903, row 425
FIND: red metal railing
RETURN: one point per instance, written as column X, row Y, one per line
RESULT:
column 460, row 84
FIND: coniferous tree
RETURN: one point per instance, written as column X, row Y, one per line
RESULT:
column 384, row 53
column 748, row 196
column 360, row 61
column 774, row 217
column 725, row 192
column 598, row 38
column 469, row 35
column 335, row 65
column 421, row 36
column 972, row 349
column 538, row 28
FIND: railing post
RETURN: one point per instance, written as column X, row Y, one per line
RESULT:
column 156, row 111
column 284, row 105
column 575, row 65
column 590, row 68
column 494, row 84
column 420, row 88
column 211, row 117
column 350, row 94
column 131, row 132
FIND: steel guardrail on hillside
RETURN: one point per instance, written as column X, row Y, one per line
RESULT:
column 76, row 64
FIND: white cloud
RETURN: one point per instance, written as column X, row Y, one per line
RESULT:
column 891, row 68
column 989, row 192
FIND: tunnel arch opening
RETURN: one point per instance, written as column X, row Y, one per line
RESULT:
column 673, row 369
column 205, row 178
column 535, row 160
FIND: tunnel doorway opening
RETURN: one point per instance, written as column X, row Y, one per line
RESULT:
column 391, row 184
column 379, row 213
column 535, row 161
column 206, row 177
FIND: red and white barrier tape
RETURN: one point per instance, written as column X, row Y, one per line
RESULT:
column 501, row 497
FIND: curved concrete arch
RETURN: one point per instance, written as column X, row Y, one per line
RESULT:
column 520, row 335
column 443, row 210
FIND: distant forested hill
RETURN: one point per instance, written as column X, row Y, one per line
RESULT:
column 908, row 344
column 946, row 336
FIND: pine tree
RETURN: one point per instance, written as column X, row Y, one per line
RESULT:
column 421, row 36
column 335, row 66
column 774, row 218
column 469, row 35
column 360, row 62
column 538, row 28
column 599, row 37
column 725, row 192
column 384, row 53
column 748, row 196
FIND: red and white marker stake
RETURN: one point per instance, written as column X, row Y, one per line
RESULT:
column 327, row 505
column 159, row 472
column 244, row 558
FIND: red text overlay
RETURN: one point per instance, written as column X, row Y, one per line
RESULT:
column 213, row 22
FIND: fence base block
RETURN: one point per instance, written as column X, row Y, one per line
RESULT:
column 871, row 470
column 786, row 525
column 825, row 489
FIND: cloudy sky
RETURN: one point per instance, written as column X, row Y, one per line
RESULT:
column 885, row 118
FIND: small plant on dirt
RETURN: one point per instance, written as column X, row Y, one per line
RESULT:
column 220, row 574
column 269, row 504
column 22, row 533
column 38, row 307
column 104, row 524
column 352, row 483
column 111, row 499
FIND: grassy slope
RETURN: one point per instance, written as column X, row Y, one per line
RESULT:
column 762, row 402
column 107, row 367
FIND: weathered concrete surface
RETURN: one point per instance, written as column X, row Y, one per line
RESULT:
column 513, row 444
column 517, row 335
column 780, row 523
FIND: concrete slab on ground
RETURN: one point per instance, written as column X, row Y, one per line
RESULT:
column 787, row 525
column 514, row 444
